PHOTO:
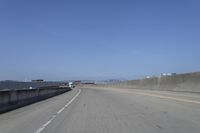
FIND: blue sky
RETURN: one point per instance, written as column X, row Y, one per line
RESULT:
column 76, row 39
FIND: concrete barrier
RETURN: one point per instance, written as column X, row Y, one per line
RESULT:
column 188, row 82
column 12, row 99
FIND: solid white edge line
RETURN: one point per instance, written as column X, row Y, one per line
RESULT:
column 55, row 115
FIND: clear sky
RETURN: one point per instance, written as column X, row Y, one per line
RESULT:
column 98, row 39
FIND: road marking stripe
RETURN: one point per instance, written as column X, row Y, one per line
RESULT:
column 165, row 97
column 60, row 111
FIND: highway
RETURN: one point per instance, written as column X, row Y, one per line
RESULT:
column 98, row 110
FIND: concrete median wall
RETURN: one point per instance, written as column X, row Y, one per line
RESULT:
column 12, row 99
column 189, row 82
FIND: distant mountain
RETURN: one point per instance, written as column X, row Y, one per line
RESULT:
column 109, row 81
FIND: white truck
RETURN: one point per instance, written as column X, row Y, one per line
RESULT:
column 71, row 85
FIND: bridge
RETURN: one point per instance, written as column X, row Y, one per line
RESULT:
column 110, row 109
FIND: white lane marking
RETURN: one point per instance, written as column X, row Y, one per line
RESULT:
column 60, row 111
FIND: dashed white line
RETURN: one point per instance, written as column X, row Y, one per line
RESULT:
column 60, row 111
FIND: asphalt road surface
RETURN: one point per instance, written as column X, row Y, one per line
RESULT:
column 96, row 110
